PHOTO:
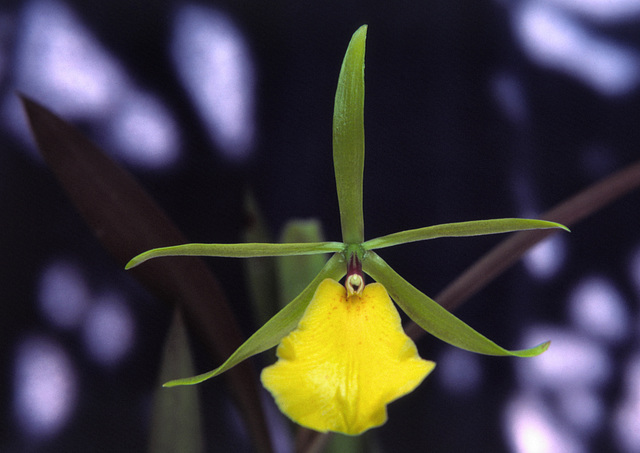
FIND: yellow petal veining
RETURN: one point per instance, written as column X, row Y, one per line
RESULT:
column 347, row 359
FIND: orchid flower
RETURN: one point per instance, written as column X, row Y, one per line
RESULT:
column 342, row 354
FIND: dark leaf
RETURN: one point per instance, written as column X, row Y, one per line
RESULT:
column 506, row 253
column 127, row 222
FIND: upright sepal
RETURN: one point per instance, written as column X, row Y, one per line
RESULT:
column 348, row 138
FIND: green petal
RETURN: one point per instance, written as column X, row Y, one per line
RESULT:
column 270, row 334
column 429, row 315
column 238, row 250
column 348, row 138
column 473, row 228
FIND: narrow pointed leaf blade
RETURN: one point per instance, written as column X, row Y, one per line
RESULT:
column 176, row 422
column 295, row 271
column 260, row 272
column 433, row 318
column 459, row 229
column 128, row 221
column 241, row 250
column 270, row 334
column 348, row 138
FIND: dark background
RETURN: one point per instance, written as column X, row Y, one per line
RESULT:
column 474, row 109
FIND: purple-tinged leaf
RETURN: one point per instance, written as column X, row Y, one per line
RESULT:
column 127, row 222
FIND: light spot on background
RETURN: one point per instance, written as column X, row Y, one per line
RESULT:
column 44, row 387
column 626, row 419
column 108, row 330
column 597, row 307
column 60, row 64
column 546, row 258
column 63, row 294
column 459, row 372
column 532, row 428
column 143, row 132
column 572, row 359
column 558, row 404
column 554, row 40
column 582, row 408
column 603, row 10
column 212, row 59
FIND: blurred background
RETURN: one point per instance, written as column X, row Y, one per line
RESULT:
column 475, row 109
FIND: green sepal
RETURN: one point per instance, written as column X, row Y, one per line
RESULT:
column 459, row 229
column 244, row 250
column 348, row 138
column 270, row 334
column 432, row 317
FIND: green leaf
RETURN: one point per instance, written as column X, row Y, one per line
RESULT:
column 295, row 271
column 270, row 334
column 473, row 228
column 176, row 422
column 237, row 250
column 429, row 315
column 348, row 139
column 260, row 272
